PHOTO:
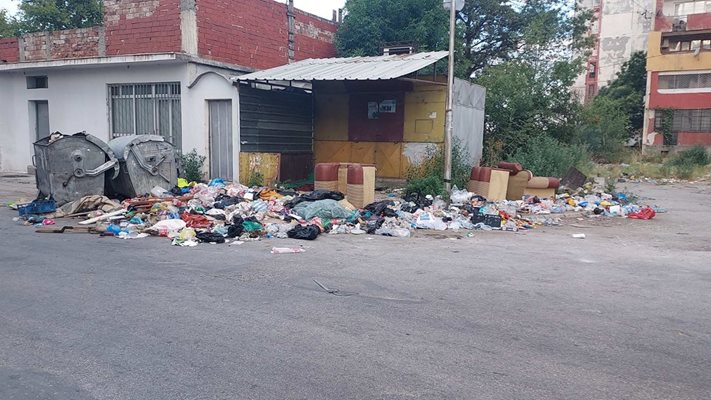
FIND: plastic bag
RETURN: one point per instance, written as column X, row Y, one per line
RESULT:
column 460, row 196
column 645, row 213
column 304, row 232
column 324, row 209
column 428, row 221
column 316, row 195
column 209, row 237
column 394, row 232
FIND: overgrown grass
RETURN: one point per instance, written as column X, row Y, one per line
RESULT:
column 546, row 156
column 688, row 165
column 427, row 177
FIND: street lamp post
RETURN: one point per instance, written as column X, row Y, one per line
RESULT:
column 454, row 6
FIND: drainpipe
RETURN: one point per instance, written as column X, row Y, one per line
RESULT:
column 292, row 29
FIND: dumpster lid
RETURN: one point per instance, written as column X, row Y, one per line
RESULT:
column 121, row 146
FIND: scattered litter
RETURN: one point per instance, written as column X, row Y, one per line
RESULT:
column 579, row 236
column 287, row 250
column 334, row 292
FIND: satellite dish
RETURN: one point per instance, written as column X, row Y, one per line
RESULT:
column 459, row 4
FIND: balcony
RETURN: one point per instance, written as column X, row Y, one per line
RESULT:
column 675, row 16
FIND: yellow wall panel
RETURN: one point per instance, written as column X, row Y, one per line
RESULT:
column 332, row 151
column 388, row 159
column 658, row 61
column 424, row 113
column 331, row 116
column 265, row 163
column 363, row 152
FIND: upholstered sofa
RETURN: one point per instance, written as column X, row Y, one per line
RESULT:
column 491, row 183
column 521, row 182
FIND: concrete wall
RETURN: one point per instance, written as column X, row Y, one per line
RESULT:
column 621, row 29
column 78, row 101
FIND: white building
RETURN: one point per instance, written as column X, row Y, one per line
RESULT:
column 620, row 28
column 167, row 94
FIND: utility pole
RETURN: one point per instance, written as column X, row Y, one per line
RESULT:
column 449, row 118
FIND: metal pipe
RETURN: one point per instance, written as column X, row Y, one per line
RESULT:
column 449, row 126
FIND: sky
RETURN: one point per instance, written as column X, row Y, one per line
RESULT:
column 322, row 8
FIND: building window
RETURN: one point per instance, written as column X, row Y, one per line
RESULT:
column 591, row 92
column 678, row 45
column 37, row 82
column 692, row 7
column 685, row 81
column 592, row 70
column 146, row 109
column 686, row 120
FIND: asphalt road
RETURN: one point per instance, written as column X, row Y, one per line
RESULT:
column 623, row 314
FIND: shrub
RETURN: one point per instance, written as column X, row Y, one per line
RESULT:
column 689, row 163
column 191, row 165
column 696, row 156
column 603, row 129
column 427, row 177
column 546, row 156
column 255, row 179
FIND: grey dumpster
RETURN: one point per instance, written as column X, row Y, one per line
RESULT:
column 73, row 166
column 146, row 161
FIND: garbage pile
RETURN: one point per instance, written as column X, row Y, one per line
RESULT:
column 222, row 212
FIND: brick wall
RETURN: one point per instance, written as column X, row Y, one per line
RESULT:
column 314, row 37
column 142, row 26
column 33, row 46
column 75, row 43
column 250, row 33
column 9, row 50
column 254, row 33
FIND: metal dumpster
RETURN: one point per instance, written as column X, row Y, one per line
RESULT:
column 72, row 166
column 146, row 161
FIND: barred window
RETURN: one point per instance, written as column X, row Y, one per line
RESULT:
column 686, row 120
column 146, row 109
column 685, row 81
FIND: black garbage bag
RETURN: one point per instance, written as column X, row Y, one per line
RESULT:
column 315, row 196
column 420, row 200
column 226, row 201
column 304, row 232
column 234, row 231
column 382, row 208
column 373, row 225
column 409, row 208
column 209, row 237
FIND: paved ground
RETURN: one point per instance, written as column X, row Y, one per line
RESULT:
column 623, row 314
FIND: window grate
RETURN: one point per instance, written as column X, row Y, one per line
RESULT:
column 146, row 109
column 686, row 121
column 685, row 81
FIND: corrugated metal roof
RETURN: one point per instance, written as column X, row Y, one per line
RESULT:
column 348, row 69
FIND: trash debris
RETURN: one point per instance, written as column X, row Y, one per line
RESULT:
column 578, row 236
column 287, row 250
column 190, row 214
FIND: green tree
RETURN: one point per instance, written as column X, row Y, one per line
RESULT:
column 603, row 129
column 8, row 25
column 628, row 91
column 49, row 15
column 371, row 24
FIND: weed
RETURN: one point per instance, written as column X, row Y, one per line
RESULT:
column 191, row 165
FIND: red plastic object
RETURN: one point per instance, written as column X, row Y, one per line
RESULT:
column 645, row 213
column 195, row 220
